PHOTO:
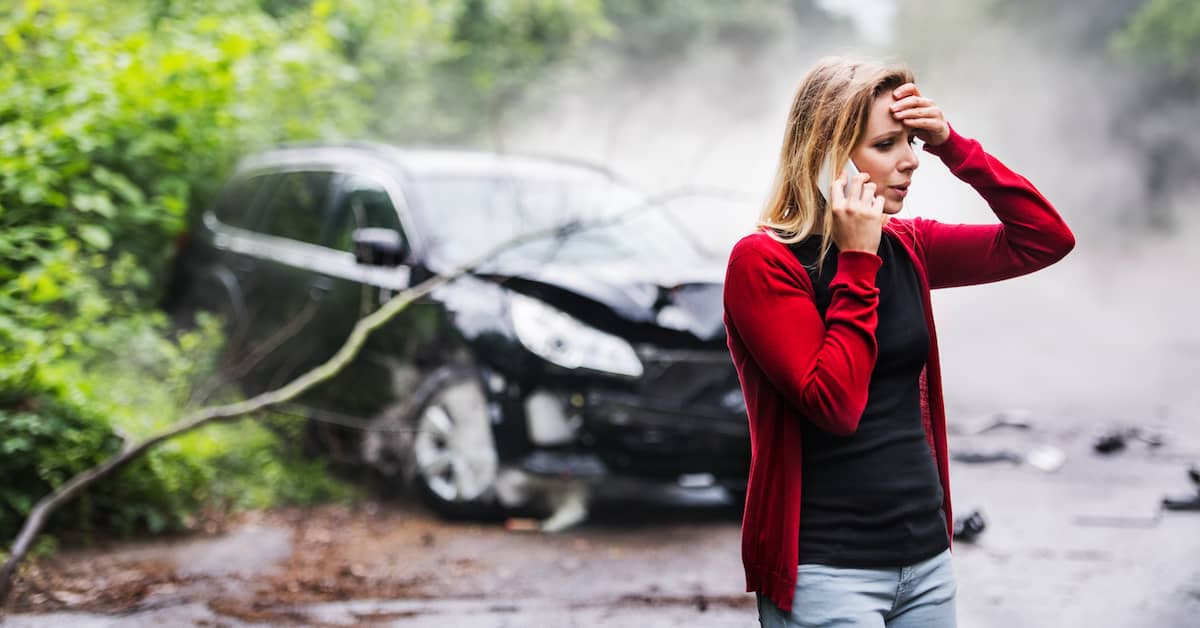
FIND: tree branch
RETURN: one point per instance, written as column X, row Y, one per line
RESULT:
column 131, row 451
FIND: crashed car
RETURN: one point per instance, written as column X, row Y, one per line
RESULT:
column 592, row 353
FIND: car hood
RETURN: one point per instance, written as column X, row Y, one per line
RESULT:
column 683, row 299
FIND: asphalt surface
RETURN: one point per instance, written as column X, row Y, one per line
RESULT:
column 1084, row 545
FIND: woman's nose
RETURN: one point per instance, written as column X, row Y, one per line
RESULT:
column 909, row 160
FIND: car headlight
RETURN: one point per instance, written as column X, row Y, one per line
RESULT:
column 566, row 341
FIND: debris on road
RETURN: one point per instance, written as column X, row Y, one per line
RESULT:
column 1116, row 440
column 1190, row 502
column 522, row 524
column 982, row 457
column 1014, row 419
column 968, row 528
column 1046, row 458
column 1182, row 503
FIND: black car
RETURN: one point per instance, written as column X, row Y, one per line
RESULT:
column 595, row 354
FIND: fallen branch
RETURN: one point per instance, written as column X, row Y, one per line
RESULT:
column 256, row 355
column 67, row 491
column 130, row 451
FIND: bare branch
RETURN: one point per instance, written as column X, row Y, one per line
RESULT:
column 257, row 354
column 131, row 451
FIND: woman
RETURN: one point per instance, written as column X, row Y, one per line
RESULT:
column 847, row 517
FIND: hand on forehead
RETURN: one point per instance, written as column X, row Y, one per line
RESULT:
column 907, row 89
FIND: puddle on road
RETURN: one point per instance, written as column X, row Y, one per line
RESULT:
column 247, row 551
column 735, row 610
column 649, row 612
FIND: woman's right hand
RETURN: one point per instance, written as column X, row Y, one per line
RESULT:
column 858, row 219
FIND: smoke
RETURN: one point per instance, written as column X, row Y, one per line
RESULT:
column 1102, row 336
column 712, row 118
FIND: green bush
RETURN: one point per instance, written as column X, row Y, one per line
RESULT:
column 48, row 439
column 1164, row 32
column 117, row 122
column 137, row 382
column 113, row 123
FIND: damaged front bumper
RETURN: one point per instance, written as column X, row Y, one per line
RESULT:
column 683, row 421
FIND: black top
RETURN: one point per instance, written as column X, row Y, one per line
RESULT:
column 873, row 499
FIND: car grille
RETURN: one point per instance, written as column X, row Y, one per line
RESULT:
column 704, row 382
column 685, row 415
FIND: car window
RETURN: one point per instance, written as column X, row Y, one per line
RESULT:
column 362, row 203
column 240, row 202
column 295, row 208
column 466, row 216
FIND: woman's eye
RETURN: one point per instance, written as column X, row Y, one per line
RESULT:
column 884, row 145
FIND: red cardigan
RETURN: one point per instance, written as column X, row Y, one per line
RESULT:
column 794, row 366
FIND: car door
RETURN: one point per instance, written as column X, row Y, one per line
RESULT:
column 358, row 289
column 222, row 271
column 286, row 285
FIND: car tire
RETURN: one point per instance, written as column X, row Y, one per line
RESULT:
column 439, row 443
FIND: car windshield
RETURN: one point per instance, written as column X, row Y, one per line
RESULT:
column 465, row 216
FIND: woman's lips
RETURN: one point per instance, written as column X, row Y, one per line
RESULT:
column 900, row 190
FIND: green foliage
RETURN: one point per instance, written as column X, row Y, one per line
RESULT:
column 48, row 439
column 262, row 464
column 1167, row 32
column 669, row 28
column 114, row 123
column 85, row 410
column 447, row 70
column 115, row 130
column 117, row 122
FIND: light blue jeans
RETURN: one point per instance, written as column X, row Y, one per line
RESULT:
column 920, row 595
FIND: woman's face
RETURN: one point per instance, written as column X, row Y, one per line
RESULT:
column 886, row 153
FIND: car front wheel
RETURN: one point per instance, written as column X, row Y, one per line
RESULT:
column 440, row 443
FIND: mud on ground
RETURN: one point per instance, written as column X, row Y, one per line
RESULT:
column 269, row 567
column 1084, row 545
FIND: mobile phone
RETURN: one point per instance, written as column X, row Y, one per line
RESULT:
column 825, row 178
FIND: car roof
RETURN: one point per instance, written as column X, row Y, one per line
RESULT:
column 423, row 163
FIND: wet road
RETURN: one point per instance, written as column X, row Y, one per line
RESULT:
column 1085, row 545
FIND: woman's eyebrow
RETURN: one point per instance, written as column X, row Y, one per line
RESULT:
column 886, row 135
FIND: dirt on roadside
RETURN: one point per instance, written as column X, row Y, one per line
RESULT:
column 334, row 555
column 269, row 566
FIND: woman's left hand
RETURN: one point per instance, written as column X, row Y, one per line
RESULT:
column 920, row 114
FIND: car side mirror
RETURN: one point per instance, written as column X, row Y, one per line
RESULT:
column 379, row 247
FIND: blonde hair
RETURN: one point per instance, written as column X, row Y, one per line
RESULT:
column 828, row 116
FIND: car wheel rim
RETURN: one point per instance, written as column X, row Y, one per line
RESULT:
column 453, row 448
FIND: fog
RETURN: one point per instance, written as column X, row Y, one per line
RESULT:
column 1102, row 336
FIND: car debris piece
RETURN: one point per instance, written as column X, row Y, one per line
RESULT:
column 1046, row 458
column 569, row 501
column 1182, row 503
column 1188, row 502
column 522, row 524
column 979, row 457
column 968, row 528
column 1116, row 440
column 1109, row 443
column 1015, row 419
